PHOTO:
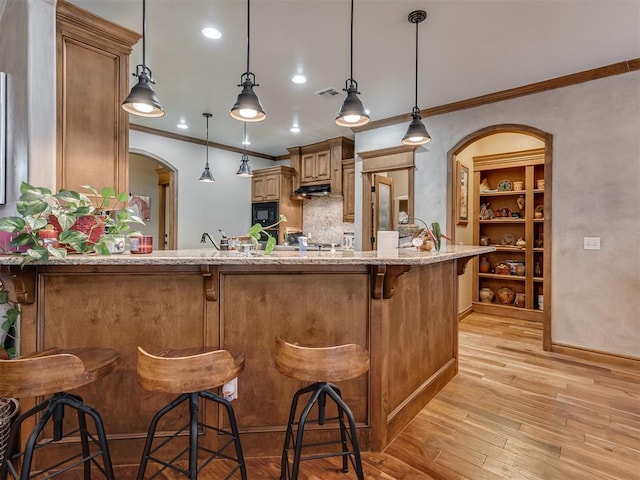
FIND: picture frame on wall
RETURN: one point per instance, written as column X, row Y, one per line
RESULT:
column 462, row 196
column 3, row 138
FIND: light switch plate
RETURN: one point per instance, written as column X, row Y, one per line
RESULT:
column 592, row 243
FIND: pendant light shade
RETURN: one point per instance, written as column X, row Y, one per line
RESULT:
column 142, row 100
column 206, row 176
column 352, row 113
column 245, row 169
column 248, row 107
column 416, row 133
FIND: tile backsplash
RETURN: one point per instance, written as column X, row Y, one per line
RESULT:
column 322, row 218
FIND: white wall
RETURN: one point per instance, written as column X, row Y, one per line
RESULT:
column 596, row 173
column 143, row 180
column 203, row 207
column 27, row 55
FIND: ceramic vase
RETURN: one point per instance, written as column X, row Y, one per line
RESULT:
column 484, row 266
column 486, row 295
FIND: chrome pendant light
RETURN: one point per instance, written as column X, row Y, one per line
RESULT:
column 416, row 133
column 352, row 113
column 247, row 107
column 245, row 169
column 206, row 176
column 142, row 100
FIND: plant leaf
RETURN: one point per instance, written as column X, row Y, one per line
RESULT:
column 66, row 220
column 93, row 190
column 12, row 224
column 23, row 239
column 32, row 208
column 271, row 243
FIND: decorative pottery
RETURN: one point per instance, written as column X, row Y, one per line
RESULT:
column 484, row 241
column 517, row 186
column 519, row 300
column 540, row 184
column 484, row 266
column 521, row 243
column 503, row 269
column 486, row 295
column 505, row 295
column 520, row 269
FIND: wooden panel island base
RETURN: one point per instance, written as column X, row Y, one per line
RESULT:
column 402, row 309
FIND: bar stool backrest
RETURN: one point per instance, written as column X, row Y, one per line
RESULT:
column 321, row 364
column 41, row 374
column 179, row 372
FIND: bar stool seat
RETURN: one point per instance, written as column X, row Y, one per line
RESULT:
column 320, row 365
column 191, row 373
column 54, row 371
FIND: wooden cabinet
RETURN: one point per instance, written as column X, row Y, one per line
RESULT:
column 509, row 214
column 321, row 163
column 275, row 184
column 348, row 190
column 315, row 167
column 265, row 187
column 92, row 76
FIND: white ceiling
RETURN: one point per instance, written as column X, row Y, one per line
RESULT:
column 467, row 48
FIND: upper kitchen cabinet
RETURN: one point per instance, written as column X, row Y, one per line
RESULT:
column 92, row 63
column 265, row 185
column 321, row 163
column 348, row 190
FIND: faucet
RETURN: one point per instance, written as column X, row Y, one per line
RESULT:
column 204, row 237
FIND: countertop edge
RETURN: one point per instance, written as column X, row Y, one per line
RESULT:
column 209, row 256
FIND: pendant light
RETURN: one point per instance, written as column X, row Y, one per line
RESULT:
column 142, row 100
column 245, row 169
column 352, row 113
column 416, row 133
column 247, row 107
column 206, row 176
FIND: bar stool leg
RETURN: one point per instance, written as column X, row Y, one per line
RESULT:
column 193, row 436
column 301, row 424
column 146, row 452
column 352, row 427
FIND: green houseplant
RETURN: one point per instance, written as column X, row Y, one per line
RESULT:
column 256, row 231
column 9, row 313
column 80, row 224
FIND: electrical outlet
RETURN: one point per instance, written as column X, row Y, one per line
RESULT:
column 592, row 243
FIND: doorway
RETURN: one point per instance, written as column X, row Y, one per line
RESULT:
column 156, row 181
column 493, row 143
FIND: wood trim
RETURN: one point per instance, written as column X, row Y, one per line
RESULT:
column 385, row 159
column 505, row 160
column 197, row 141
column 465, row 313
column 529, row 89
column 614, row 359
column 509, row 311
column 383, row 152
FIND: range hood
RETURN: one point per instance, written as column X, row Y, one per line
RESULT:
column 314, row 190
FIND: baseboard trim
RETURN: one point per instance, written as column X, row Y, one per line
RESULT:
column 465, row 313
column 597, row 356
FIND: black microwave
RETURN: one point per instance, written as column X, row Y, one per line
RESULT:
column 264, row 213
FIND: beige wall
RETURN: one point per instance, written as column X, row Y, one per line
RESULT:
column 596, row 173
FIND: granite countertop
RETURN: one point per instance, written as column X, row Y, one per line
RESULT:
column 210, row 256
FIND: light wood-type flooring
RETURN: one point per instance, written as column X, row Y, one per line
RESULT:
column 512, row 412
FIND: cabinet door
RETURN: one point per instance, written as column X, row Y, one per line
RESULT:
column 308, row 167
column 92, row 69
column 323, row 165
column 258, row 189
column 272, row 187
column 348, row 192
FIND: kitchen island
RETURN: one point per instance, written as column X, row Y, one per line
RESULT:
column 401, row 307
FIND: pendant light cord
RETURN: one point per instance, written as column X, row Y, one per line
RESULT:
column 351, row 52
column 207, row 162
column 244, row 140
column 415, row 105
column 248, row 32
column 144, row 33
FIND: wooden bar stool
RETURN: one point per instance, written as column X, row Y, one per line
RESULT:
column 55, row 371
column 320, row 365
column 191, row 373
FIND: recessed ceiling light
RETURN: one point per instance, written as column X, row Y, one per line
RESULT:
column 299, row 78
column 182, row 125
column 295, row 129
column 211, row 32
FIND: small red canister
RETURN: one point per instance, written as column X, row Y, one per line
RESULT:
column 141, row 244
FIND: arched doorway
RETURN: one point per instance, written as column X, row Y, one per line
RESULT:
column 505, row 145
column 155, row 180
